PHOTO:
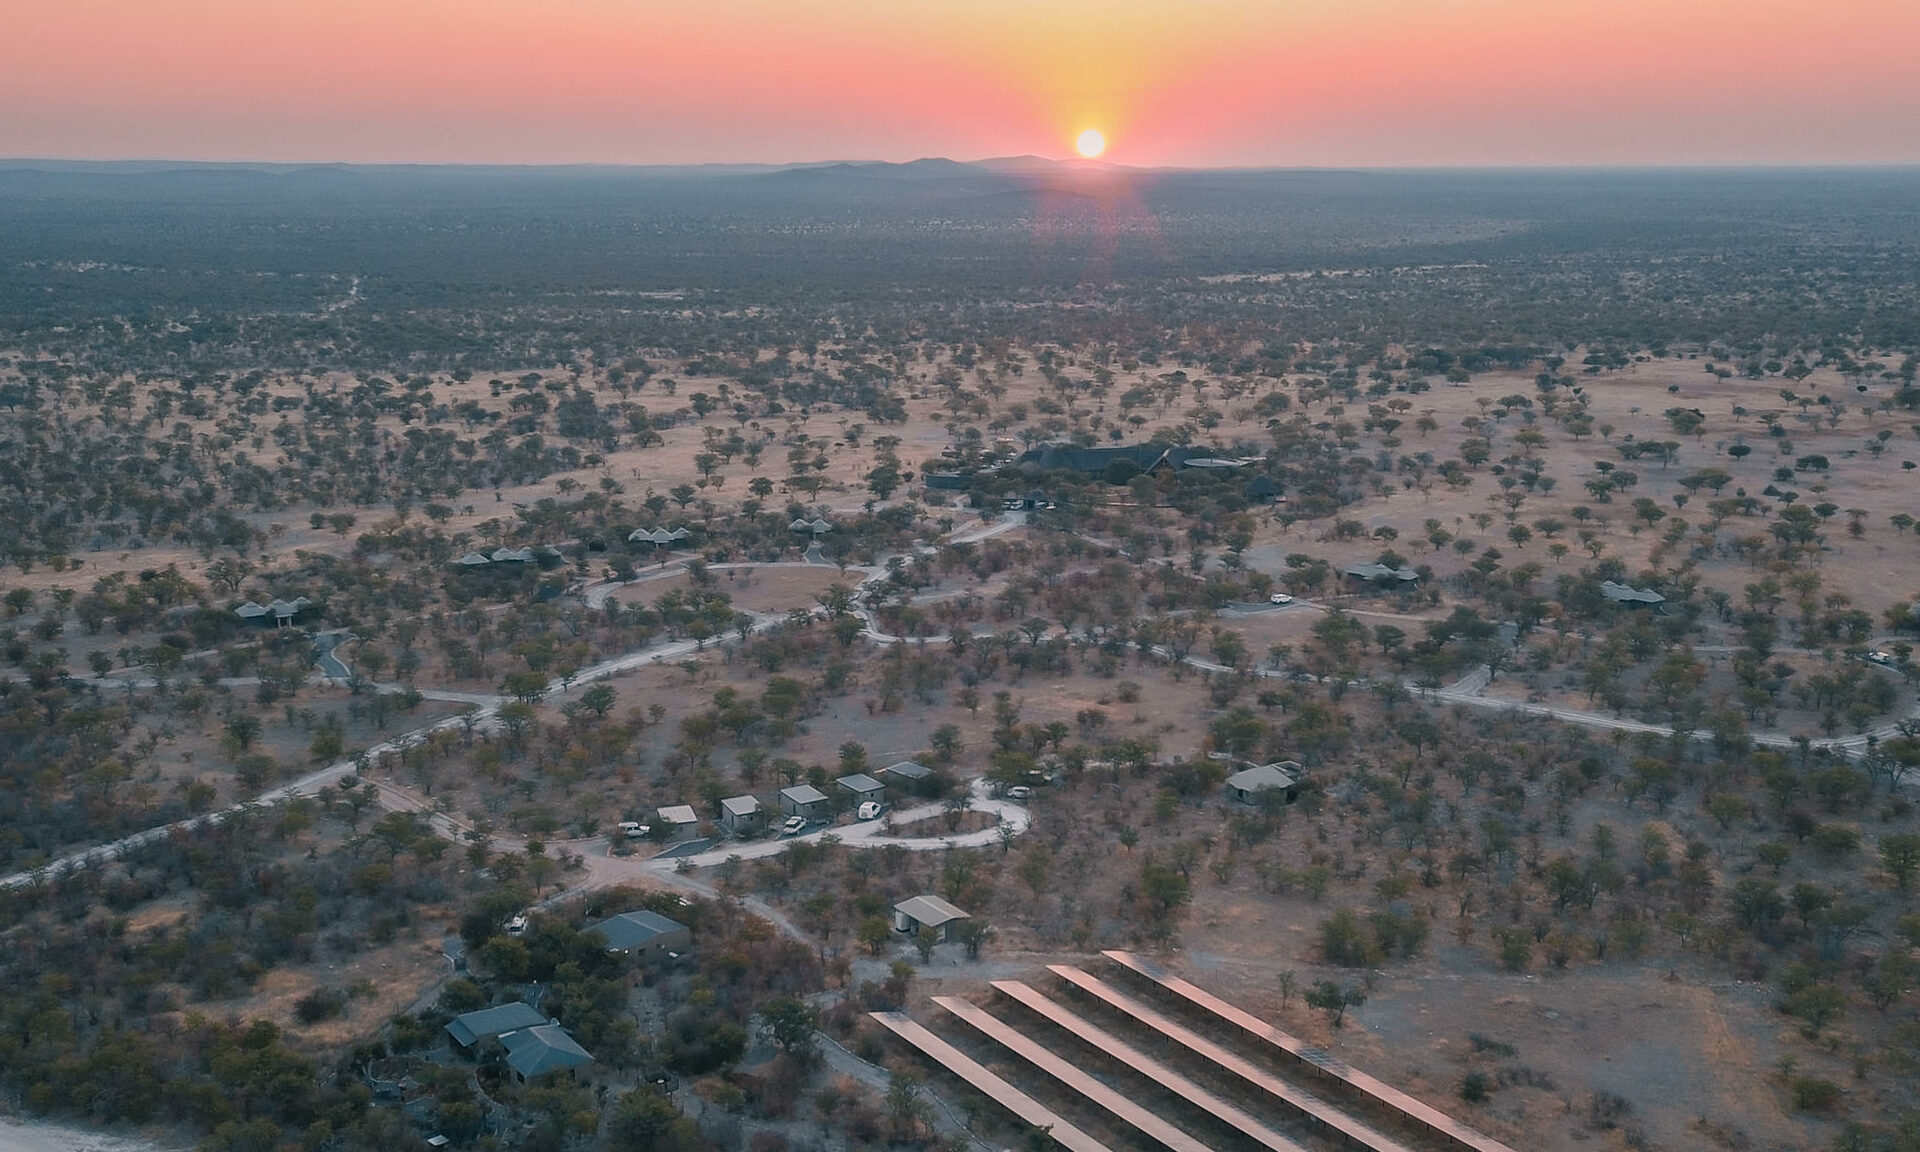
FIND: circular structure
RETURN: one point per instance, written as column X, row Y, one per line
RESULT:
column 1090, row 143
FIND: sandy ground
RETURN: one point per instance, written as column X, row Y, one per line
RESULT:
column 18, row 1135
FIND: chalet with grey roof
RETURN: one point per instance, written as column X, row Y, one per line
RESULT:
column 470, row 1028
column 543, row 1050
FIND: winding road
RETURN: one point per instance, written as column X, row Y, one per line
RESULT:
column 603, row 868
column 484, row 716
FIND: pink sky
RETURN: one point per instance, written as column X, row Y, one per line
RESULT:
column 1188, row 82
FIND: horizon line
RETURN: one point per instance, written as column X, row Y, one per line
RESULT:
column 1072, row 162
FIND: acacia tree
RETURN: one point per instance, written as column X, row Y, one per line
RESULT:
column 1335, row 999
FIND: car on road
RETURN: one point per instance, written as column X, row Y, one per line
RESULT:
column 870, row 810
column 1884, row 659
column 793, row 826
column 1279, row 598
column 632, row 829
column 518, row 925
column 1019, row 792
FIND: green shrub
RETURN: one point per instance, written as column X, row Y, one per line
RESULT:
column 1812, row 1094
column 1345, row 941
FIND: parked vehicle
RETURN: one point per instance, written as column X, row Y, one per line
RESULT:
column 793, row 825
column 1279, row 598
column 870, row 810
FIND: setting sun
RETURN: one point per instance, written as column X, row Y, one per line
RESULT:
column 1090, row 143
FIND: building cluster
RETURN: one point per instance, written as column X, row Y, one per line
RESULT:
column 508, row 556
column 1115, row 464
column 747, row 815
column 531, row 1044
column 281, row 612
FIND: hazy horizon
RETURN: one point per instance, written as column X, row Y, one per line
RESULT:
column 1209, row 84
column 971, row 161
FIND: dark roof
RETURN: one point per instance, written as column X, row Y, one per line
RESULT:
column 631, row 930
column 1262, row 486
column 657, row 535
column 473, row 1027
column 860, row 782
column 546, row 1048
column 908, row 770
column 949, row 481
column 1380, row 572
column 1066, row 458
column 803, row 794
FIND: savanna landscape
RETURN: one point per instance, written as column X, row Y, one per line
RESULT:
column 390, row 607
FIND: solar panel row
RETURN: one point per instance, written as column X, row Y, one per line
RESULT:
column 1422, row 1116
column 1315, row 1109
column 1147, row 1066
column 1113, row 1102
column 1330, row 1118
column 996, row 1089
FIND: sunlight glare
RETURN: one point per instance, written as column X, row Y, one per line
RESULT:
column 1090, row 143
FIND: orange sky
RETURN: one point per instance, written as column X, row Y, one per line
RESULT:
column 1191, row 82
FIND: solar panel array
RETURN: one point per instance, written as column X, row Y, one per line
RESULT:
column 1314, row 1109
column 1221, row 1065
column 1422, row 1116
column 1114, row 1048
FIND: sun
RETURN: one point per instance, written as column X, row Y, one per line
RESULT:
column 1090, row 143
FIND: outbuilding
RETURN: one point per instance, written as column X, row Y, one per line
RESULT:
column 926, row 914
column 680, row 821
column 1262, row 490
column 805, row 800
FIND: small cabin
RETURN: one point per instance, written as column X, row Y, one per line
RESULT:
column 927, row 914
column 862, row 786
column 742, row 815
column 680, row 821
column 805, row 800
